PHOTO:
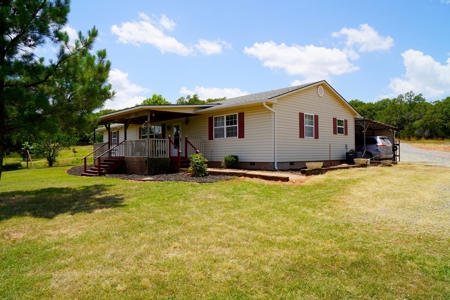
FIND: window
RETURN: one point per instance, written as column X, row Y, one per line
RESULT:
column 340, row 126
column 226, row 126
column 155, row 132
column 114, row 138
column 309, row 125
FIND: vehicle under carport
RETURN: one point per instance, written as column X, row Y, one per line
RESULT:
column 367, row 127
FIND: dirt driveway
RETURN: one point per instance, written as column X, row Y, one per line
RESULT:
column 411, row 154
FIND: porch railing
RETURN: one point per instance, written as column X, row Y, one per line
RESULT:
column 190, row 147
column 175, row 147
column 98, row 148
column 117, row 150
column 158, row 148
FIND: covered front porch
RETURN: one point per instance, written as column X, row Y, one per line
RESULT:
column 145, row 133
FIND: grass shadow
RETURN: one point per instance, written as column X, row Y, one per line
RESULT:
column 51, row 202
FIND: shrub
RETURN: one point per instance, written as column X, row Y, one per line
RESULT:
column 198, row 166
column 230, row 162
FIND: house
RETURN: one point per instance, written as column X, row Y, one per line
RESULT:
column 279, row 129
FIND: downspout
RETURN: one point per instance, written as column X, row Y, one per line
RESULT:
column 148, row 134
column 275, row 148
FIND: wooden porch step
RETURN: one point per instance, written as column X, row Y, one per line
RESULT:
column 107, row 166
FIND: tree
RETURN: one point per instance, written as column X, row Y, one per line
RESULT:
column 51, row 145
column 156, row 100
column 195, row 100
column 35, row 95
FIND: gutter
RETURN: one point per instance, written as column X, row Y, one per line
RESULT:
column 275, row 148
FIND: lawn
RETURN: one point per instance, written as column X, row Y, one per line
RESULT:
column 67, row 157
column 368, row 233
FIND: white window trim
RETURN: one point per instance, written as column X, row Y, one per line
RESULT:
column 225, row 126
column 312, row 126
column 343, row 126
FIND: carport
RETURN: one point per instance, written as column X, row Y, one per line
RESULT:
column 367, row 127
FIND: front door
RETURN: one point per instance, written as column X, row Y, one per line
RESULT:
column 176, row 138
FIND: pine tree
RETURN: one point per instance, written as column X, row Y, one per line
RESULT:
column 40, row 96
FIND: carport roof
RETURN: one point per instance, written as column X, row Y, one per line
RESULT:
column 373, row 125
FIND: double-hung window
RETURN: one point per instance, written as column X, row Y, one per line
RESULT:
column 226, row 126
column 340, row 126
column 309, row 125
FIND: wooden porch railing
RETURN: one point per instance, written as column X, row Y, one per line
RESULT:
column 95, row 150
column 186, row 143
column 114, row 151
column 178, row 151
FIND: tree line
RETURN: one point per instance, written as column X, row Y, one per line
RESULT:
column 413, row 116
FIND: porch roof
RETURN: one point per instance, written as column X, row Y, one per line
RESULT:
column 158, row 113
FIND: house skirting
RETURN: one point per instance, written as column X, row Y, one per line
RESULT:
column 269, row 166
column 135, row 165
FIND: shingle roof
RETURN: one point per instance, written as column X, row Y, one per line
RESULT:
column 258, row 97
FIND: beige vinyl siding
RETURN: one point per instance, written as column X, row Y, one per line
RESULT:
column 132, row 133
column 256, row 146
column 293, row 148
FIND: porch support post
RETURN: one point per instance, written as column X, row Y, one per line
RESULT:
column 108, row 128
column 125, row 128
column 148, row 133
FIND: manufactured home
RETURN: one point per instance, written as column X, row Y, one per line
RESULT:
column 274, row 130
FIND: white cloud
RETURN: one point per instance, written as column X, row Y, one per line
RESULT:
column 149, row 31
column 127, row 94
column 211, row 47
column 167, row 23
column 72, row 33
column 311, row 62
column 423, row 75
column 445, row 1
column 366, row 39
column 205, row 93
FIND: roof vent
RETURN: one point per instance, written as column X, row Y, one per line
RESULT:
column 320, row 91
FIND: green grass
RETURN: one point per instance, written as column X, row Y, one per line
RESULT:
column 373, row 233
column 66, row 158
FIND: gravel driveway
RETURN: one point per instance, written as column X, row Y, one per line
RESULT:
column 411, row 154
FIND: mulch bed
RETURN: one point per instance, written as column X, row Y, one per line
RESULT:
column 181, row 176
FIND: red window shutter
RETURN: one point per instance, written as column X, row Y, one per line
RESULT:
column 140, row 132
column 316, row 126
column 334, row 125
column 163, row 131
column 345, row 127
column 241, row 125
column 210, row 128
column 301, row 125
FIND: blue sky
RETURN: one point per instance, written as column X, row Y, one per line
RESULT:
column 366, row 50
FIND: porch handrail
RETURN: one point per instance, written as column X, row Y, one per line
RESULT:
column 179, row 151
column 107, row 151
column 85, row 158
column 186, row 143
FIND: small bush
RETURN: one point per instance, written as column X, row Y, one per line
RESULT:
column 12, row 167
column 230, row 162
column 198, row 166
